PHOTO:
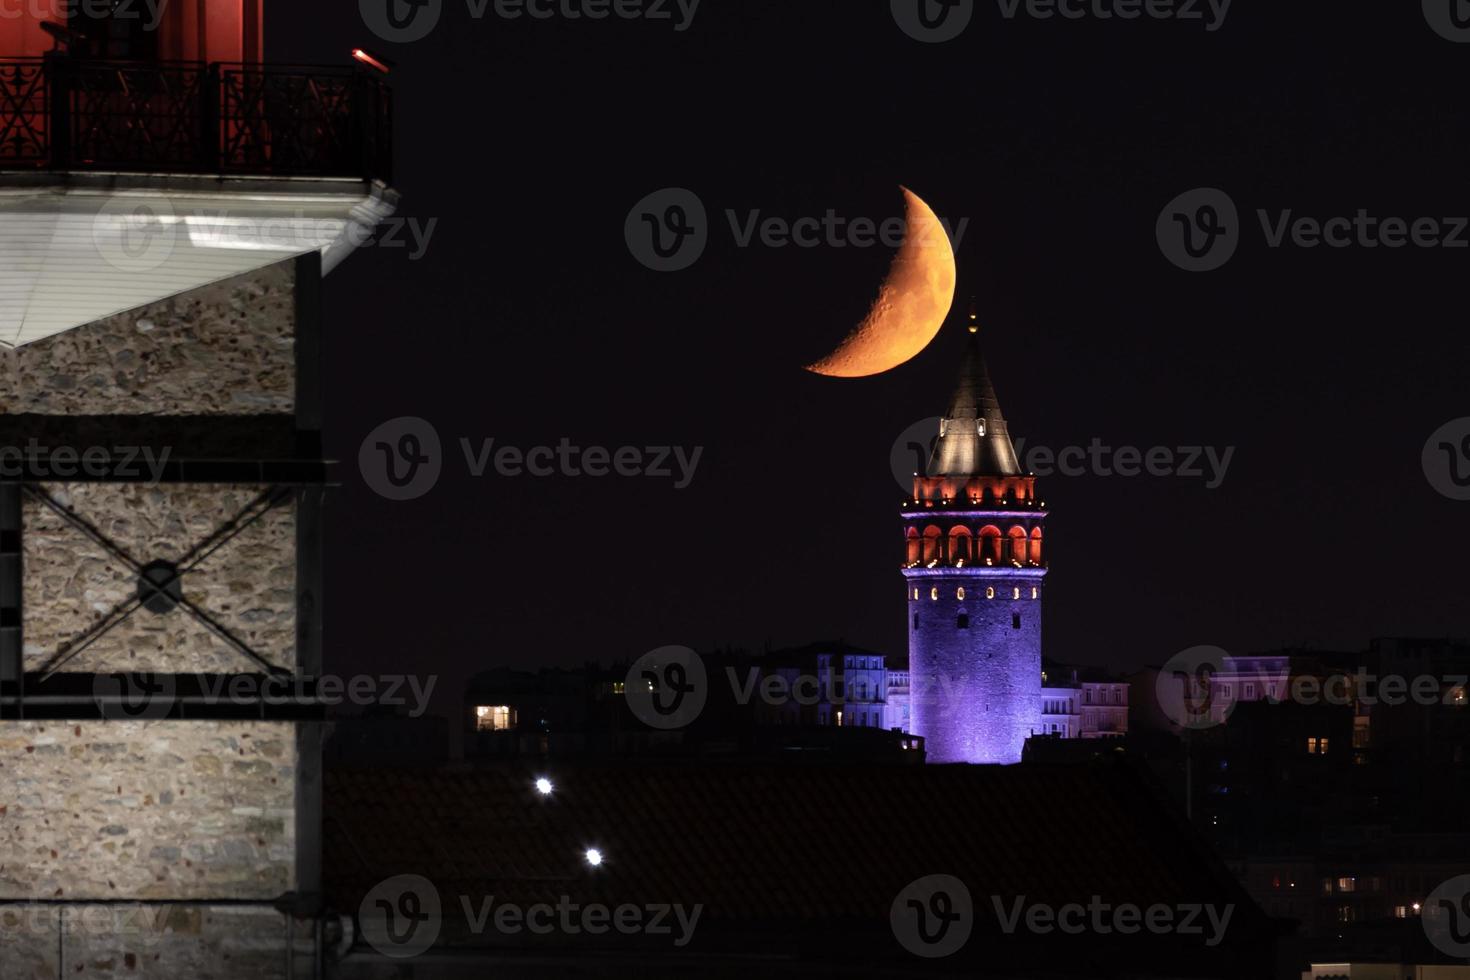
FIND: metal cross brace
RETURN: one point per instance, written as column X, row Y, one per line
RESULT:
column 267, row 501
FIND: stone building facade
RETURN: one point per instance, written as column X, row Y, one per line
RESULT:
column 156, row 813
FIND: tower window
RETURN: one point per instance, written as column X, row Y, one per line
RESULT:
column 963, row 621
column 916, row 621
column 1015, row 621
column 1016, row 592
column 1035, row 592
column 990, row 592
column 934, row 593
column 960, row 592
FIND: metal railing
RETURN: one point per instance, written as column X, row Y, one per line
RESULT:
column 65, row 113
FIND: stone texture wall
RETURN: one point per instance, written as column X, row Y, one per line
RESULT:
column 224, row 349
column 139, row 810
column 975, row 693
column 70, row 581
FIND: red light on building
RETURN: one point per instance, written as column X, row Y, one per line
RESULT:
column 372, row 62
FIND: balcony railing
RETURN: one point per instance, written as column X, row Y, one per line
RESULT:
column 64, row 113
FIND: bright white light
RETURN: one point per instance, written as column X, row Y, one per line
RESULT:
column 543, row 786
column 594, row 856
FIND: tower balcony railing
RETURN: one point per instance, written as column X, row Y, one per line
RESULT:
column 72, row 114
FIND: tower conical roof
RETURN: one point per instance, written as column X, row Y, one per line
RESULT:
column 973, row 440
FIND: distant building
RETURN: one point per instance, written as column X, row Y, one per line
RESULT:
column 1082, row 702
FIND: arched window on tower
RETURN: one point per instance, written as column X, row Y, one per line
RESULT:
column 959, row 546
column 989, row 543
column 932, row 537
column 1036, row 546
column 913, row 549
column 1017, row 550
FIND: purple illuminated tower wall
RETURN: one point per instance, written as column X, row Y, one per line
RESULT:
column 973, row 572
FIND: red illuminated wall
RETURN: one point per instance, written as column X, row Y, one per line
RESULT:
column 189, row 30
column 20, row 32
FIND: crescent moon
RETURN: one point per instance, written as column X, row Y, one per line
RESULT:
column 912, row 303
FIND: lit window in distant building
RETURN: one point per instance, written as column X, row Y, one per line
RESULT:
column 1250, row 692
column 1346, row 913
column 934, row 593
column 1457, row 696
column 1016, row 593
column 1035, row 592
column 990, row 592
column 1327, row 886
column 1347, row 884
column 960, row 592
column 494, row 718
column 617, row 687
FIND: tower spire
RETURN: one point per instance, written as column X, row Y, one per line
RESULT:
column 973, row 439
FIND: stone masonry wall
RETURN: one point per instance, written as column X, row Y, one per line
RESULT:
column 70, row 581
column 224, row 349
column 179, row 810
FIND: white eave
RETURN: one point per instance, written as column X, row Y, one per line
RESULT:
column 75, row 248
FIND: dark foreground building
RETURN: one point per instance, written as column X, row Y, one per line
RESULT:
column 788, row 871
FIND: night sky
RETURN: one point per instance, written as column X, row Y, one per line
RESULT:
column 528, row 320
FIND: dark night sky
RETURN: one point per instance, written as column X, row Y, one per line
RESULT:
column 528, row 320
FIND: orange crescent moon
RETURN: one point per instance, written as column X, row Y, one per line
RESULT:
column 912, row 303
